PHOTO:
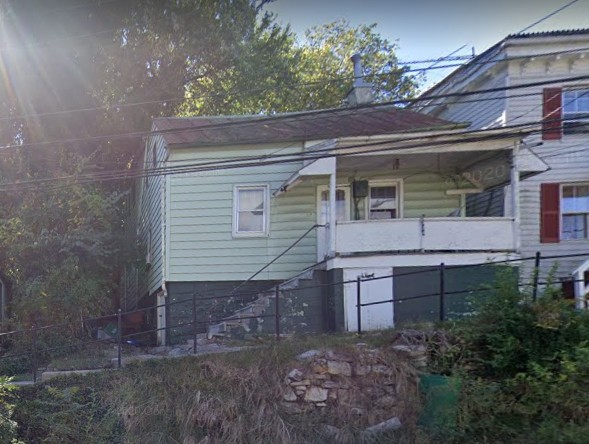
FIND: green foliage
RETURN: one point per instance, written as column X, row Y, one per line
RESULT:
column 275, row 73
column 67, row 413
column 8, row 426
column 325, row 59
column 525, row 369
column 61, row 250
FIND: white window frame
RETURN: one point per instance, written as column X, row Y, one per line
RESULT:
column 562, row 213
column 583, row 115
column 398, row 183
column 265, row 215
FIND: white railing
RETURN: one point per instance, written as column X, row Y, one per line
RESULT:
column 581, row 286
column 426, row 234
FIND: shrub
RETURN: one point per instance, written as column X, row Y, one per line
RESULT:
column 525, row 369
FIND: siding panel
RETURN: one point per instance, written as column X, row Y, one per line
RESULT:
column 151, row 217
column 202, row 245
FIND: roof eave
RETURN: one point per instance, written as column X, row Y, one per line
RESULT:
column 452, row 127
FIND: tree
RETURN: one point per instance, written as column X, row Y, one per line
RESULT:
column 60, row 241
column 327, row 67
column 117, row 65
column 281, row 75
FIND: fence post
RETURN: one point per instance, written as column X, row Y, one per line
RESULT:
column 277, row 312
column 536, row 275
column 194, row 326
column 34, row 357
column 119, row 337
column 358, row 302
column 442, row 292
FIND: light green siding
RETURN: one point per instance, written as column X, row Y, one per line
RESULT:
column 201, row 244
column 151, row 217
column 425, row 194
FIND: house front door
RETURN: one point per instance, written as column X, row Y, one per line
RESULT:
column 342, row 211
column 373, row 317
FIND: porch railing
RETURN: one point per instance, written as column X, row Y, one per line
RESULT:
column 426, row 234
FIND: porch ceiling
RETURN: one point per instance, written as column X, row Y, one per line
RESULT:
column 442, row 162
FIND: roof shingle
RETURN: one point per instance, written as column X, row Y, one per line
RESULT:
column 314, row 125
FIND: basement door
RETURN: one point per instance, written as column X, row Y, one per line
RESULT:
column 373, row 317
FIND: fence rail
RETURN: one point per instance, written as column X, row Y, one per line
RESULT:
column 197, row 323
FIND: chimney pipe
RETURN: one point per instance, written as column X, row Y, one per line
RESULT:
column 361, row 92
column 358, row 74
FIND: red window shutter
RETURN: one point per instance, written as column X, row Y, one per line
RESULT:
column 552, row 114
column 549, row 212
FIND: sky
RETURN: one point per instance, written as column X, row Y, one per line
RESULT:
column 428, row 29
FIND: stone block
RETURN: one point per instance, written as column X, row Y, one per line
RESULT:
column 308, row 355
column 362, row 370
column 319, row 369
column 385, row 426
column 331, row 385
column 295, row 375
column 316, row 394
column 339, row 368
column 324, row 377
column 289, row 395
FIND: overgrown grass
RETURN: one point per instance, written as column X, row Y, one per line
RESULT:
column 523, row 366
column 228, row 398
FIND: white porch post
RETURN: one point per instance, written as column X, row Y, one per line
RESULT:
column 332, row 213
column 515, row 197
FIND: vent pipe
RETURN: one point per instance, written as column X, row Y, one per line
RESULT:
column 361, row 92
column 357, row 61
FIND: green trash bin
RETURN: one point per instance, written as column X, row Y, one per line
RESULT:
column 441, row 397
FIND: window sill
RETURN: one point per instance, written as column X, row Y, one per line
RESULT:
column 256, row 235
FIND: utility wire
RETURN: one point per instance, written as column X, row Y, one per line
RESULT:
column 548, row 16
column 293, row 117
column 270, row 160
column 267, row 88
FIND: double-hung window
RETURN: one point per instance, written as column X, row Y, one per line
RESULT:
column 564, row 111
column 383, row 201
column 575, row 111
column 250, row 210
column 575, row 211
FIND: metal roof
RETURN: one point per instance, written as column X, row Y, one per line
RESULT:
column 302, row 126
column 556, row 33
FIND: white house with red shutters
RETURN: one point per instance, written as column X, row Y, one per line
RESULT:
column 538, row 81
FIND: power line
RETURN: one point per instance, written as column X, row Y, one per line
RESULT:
column 269, row 88
column 292, row 116
column 275, row 159
column 191, row 168
column 548, row 16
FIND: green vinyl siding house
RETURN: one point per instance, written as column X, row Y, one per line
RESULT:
column 229, row 207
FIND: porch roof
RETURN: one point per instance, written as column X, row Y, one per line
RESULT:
column 465, row 165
